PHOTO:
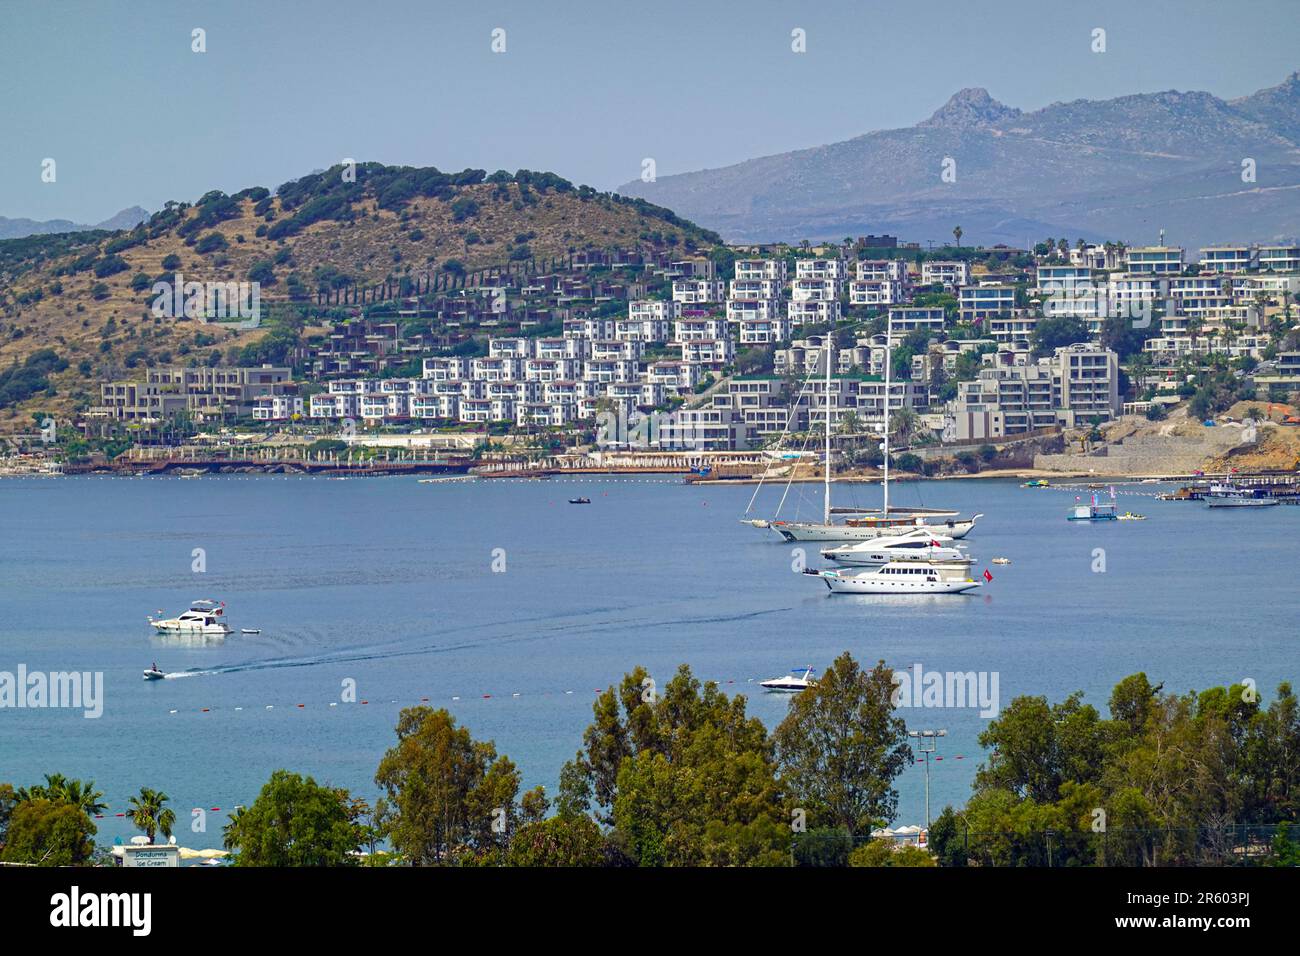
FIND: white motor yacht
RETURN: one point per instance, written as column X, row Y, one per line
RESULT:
column 917, row 544
column 792, row 682
column 203, row 617
column 902, row 577
column 1224, row 495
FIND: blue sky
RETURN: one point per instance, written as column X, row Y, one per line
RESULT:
column 111, row 90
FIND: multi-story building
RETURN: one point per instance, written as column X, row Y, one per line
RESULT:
column 813, row 310
column 1155, row 260
column 742, row 310
column 759, row 270
column 877, row 292
column 754, row 289
column 833, row 269
column 952, row 275
column 881, row 270
column 1075, row 385
column 200, row 392
column 698, row 291
column 1228, row 258
column 979, row 302
column 909, row 318
column 1279, row 258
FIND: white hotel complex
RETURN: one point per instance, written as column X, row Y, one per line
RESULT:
column 661, row 354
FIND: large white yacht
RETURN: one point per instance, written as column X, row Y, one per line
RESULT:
column 919, row 544
column 203, row 617
column 1228, row 495
column 902, row 577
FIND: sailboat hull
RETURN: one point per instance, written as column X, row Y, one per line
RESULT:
column 810, row 531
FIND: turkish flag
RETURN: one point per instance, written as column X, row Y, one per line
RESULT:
column 987, row 576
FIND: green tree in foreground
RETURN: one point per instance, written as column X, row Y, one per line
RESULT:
column 450, row 794
column 683, row 775
column 557, row 841
column 294, row 822
column 48, row 833
column 885, row 853
column 841, row 747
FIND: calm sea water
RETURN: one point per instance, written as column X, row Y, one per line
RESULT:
column 389, row 583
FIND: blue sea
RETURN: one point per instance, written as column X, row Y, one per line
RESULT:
column 390, row 584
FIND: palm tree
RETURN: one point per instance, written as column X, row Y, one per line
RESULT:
column 230, row 836
column 59, row 789
column 957, row 235
column 149, row 814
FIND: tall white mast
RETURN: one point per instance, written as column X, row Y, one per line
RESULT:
column 889, row 363
column 826, row 407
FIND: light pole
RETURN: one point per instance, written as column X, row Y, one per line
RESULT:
column 927, row 743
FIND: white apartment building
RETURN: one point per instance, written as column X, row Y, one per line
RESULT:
column 445, row 369
column 641, row 330
column 674, row 376
column 814, row 290
column 758, row 270
column 1279, row 258
column 953, row 275
column 589, row 328
column 833, row 269
column 1070, row 388
column 877, row 292
column 277, row 408
column 1155, row 260
column 711, row 352
column 909, row 318
column 698, row 291
column 764, row 331
column 710, row 328
column 754, row 289
column 804, row 312
column 629, row 349
column 881, row 270
column 980, row 302
column 741, row 310
column 658, row 310
column 1228, row 258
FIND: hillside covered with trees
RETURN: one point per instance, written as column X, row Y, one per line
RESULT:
column 340, row 236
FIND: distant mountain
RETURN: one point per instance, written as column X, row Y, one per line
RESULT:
column 17, row 228
column 1110, row 169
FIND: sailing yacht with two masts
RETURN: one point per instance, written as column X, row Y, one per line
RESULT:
column 860, row 524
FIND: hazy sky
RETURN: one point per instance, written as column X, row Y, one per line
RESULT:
column 111, row 90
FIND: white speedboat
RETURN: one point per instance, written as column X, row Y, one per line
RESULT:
column 153, row 673
column 918, row 544
column 902, row 577
column 792, row 682
column 203, row 617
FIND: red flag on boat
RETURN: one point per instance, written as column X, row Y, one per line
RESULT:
column 987, row 576
column 935, row 544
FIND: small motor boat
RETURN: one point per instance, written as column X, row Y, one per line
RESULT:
column 250, row 630
column 579, row 501
column 792, row 683
column 153, row 673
